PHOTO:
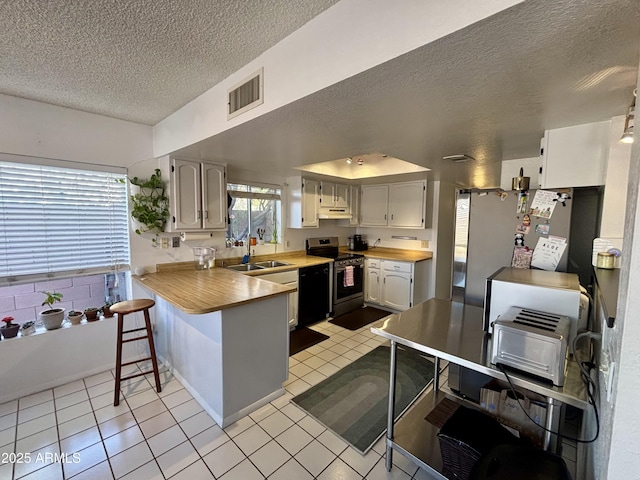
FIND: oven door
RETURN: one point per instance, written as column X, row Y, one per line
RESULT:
column 342, row 293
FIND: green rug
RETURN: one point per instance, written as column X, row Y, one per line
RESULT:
column 353, row 402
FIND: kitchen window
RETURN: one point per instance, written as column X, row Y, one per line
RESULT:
column 60, row 219
column 254, row 210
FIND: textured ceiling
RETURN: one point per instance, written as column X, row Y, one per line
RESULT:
column 137, row 60
column 489, row 90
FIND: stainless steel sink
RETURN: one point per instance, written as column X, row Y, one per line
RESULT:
column 271, row 264
column 245, row 267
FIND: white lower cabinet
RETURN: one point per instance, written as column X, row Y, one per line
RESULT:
column 397, row 280
column 372, row 281
column 396, row 285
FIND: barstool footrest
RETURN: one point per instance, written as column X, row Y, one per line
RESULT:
column 135, row 339
column 136, row 361
column 135, row 375
column 134, row 330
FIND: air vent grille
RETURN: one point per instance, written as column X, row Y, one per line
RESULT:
column 247, row 95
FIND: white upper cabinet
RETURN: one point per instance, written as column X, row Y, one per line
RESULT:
column 407, row 204
column 374, row 201
column 303, row 202
column 214, row 199
column 334, row 195
column 396, row 205
column 354, row 205
column 575, row 156
column 197, row 195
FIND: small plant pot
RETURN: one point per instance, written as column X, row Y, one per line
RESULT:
column 27, row 328
column 52, row 319
column 10, row 331
column 106, row 312
column 75, row 319
column 92, row 315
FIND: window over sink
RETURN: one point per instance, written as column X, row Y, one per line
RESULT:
column 254, row 210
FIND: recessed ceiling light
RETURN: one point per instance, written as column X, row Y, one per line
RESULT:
column 349, row 160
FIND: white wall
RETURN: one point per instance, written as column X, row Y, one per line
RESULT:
column 41, row 130
column 623, row 425
column 615, row 192
column 407, row 24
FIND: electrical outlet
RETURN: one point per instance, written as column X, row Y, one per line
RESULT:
column 288, row 243
column 175, row 242
column 165, row 242
column 424, row 243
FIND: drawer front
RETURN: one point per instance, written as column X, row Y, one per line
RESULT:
column 373, row 263
column 405, row 267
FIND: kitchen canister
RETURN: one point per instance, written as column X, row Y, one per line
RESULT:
column 605, row 260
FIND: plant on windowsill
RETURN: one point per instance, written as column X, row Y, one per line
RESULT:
column 9, row 330
column 75, row 317
column 91, row 313
column 53, row 317
column 149, row 204
column 106, row 310
column 27, row 328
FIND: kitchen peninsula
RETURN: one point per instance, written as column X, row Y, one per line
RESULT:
column 223, row 334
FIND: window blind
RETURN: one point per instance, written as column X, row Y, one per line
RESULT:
column 60, row 222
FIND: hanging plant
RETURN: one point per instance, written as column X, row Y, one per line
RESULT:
column 150, row 205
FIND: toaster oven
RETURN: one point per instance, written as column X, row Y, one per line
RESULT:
column 533, row 342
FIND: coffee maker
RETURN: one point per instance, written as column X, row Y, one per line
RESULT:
column 359, row 244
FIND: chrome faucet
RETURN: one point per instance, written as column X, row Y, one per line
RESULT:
column 245, row 259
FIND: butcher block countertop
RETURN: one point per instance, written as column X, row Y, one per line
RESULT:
column 296, row 259
column 205, row 291
column 397, row 254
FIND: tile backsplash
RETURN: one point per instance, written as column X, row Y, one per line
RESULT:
column 23, row 302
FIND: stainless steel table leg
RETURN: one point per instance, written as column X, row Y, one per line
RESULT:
column 392, row 400
column 552, row 423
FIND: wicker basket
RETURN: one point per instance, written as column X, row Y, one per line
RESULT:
column 467, row 436
column 458, row 458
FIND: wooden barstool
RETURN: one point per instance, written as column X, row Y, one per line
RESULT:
column 122, row 309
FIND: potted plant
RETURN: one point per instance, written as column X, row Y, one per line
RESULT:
column 9, row 330
column 106, row 310
column 150, row 205
column 91, row 313
column 27, row 328
column 75, row 317
column 53, row 317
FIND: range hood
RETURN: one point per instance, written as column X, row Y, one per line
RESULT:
column 334, row 213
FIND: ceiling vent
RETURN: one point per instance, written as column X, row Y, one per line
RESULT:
column 246, row 95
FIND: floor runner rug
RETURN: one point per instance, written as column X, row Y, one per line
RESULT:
column 353, row 402
column 302, row 338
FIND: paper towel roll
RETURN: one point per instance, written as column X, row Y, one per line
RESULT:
column 185, row 236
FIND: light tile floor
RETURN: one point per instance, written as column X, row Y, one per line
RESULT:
column 74, row 431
